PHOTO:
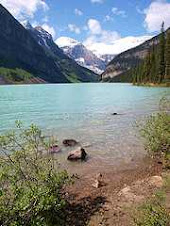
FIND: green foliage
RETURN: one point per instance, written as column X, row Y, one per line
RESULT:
column 156, row 132
column 152, row 214
column 155, row 68
column 161, row 61
column 15, row 75
column 167, row 57
column 30, row 180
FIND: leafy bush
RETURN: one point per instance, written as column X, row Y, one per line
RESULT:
column 156, row 132
column 152, row 214
column 30, row 180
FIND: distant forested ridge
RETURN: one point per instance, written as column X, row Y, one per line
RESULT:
column 146, row 63
column 156, row 66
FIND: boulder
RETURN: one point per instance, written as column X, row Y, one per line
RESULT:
column 78, row 154
column 156, row 181
column 98, row 181
column 69, row 142
column 54, row 149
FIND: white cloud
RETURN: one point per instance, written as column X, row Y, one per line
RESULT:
column 74, row 28
column 49, row 29
column 22, row 9
column 78, row 12
column 118, row 12
column 45, row 19
column 97, row 1
column 156, row 13
column 97, row 34
column 108, row 18
column 94, row 26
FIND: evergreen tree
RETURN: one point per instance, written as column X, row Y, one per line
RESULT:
column 167, row 57
column 153, row 71
column 162, row 54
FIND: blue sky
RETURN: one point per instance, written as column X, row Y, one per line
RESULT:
column 94, row 21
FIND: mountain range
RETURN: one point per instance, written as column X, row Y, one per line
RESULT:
column 123, row 62
column 33, row 50
column 66, row 60
column 83, row 56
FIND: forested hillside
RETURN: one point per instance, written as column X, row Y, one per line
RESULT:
column 156, row 66
column 148, row 62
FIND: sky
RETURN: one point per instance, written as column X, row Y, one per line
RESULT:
column 99, row 24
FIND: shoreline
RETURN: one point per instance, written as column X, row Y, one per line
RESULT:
column 111, row 205
column 152, row 84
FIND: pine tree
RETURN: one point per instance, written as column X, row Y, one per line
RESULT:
column 162, row 54
column 152, row 77
column 167, row 57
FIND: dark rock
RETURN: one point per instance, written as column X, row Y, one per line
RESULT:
column 114, row 113
column 69, row 143
column 78, row 154
column 54, row 149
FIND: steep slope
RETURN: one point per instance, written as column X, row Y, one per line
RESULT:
column 81, row 54
column 127, row 60
column 19, row 49
column 70, row 68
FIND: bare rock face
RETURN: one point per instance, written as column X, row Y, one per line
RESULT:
column 77, row 154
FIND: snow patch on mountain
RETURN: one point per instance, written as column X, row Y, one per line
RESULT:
column 66, row 41
column 116, row 47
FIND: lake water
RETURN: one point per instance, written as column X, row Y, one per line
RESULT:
column 84, row 112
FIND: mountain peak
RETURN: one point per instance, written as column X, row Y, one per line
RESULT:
column 27, row 25
column 43, row 32
column 67, row 42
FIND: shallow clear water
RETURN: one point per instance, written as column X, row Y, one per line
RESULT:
column 83, row 112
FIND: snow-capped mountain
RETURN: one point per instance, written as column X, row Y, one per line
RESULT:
column 116, row 47
column 107, row 57
column 81, row 54
column 64, row 65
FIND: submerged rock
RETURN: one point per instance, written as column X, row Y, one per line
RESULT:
column 69, row 142
column 54, row 149
column 78, row 154
column 114, row 113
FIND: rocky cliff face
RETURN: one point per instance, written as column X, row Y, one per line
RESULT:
column 18, row 48
column 107, row 58
column 127, row 60
column 81, row 54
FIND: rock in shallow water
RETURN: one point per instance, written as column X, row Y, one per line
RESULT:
column 69, row 142
column 77, row 154
column 54, row 149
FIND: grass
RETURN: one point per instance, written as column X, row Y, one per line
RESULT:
column 15, row 75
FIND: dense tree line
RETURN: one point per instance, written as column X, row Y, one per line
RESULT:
column 155, row 68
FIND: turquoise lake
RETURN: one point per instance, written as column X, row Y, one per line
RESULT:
column 84, row 112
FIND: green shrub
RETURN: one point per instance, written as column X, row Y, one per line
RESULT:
column 152, row 214
column 31, row 182
column 156, row 132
